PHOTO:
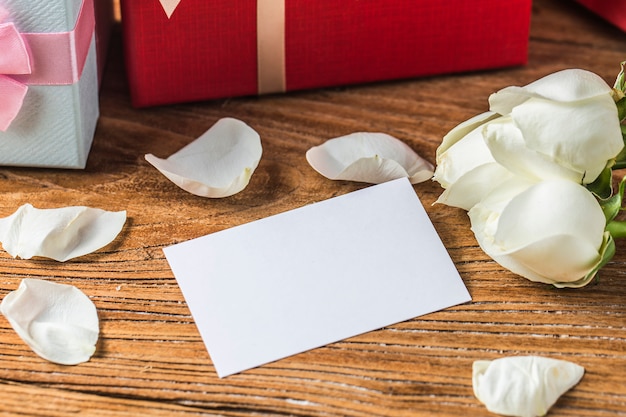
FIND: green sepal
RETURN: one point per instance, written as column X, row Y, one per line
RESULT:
column 621, row 108
column 620, row 81
column 620, row 159
column 602, row 186
column 607, row 251
column 611, row 206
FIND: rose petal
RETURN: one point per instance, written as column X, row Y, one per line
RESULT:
column 474, row 185
column 560, row 260
column 524, row 386
column 579, row 137
column 532, row 230
column 59, row 234
column 57, row 321
column 507, row 145
column 546, row 209
column 569, row 85
column 541, row 232
column 368, row 157
column 486, row 214
column 218, row 164
column 462, row 130
column 563, row 86
column 462, row 157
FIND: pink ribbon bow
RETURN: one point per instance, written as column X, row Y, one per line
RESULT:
column 14, row 60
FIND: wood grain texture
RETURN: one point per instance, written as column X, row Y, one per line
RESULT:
column 150, row 359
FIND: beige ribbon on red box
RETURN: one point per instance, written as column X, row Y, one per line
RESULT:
column 270, row 43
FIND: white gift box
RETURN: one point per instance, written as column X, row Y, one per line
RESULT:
column 55, row 124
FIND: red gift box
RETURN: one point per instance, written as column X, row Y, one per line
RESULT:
column 208, row 49
column 612, row 10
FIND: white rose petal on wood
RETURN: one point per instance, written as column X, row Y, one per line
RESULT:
column 57, row 321
column 524, row 386
column 218, row 164
column 368, row 157
column 60, row 233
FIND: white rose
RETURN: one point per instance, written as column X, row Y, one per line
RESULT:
column 550, row 231
column 564, row 125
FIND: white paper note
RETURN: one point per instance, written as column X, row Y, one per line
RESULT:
column 315, row 275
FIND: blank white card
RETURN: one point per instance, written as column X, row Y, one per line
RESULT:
column 315, row 275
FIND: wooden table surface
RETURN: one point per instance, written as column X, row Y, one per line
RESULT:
column 150, row 360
